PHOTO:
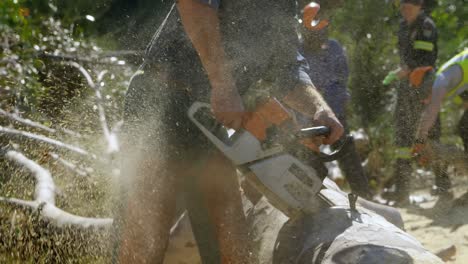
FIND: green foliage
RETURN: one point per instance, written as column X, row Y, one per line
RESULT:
column 368, row 29
column 370, row 44
column 37, row 82
column 451, row 19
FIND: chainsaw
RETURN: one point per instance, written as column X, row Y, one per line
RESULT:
column 280, row 161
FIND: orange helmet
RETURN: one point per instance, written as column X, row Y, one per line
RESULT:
column 309, row 20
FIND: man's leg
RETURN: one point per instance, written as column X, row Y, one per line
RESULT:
column 443, row 184
column 148, row 215
column 198, row 212
column 147, row 212
column 219, row 183
column 403, row 140
column 463, row 130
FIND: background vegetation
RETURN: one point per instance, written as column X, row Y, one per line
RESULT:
column 39, row 37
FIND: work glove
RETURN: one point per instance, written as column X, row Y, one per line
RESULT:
column 391, row 77
column 420, row 153
column 416, row 77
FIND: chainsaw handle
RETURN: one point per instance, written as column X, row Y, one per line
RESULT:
column 325, row 131
column 314, row 132
column 339, row 152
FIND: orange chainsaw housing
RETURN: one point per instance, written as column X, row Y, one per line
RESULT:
column 265, row 115
column 268, row 114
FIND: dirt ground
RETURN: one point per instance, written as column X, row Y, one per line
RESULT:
column 440, row 231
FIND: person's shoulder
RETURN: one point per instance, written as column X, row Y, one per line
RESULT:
column 402, row 23
column 335, row 45
column 427, row 23
column 428, row 27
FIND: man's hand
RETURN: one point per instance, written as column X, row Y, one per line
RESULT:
column 403, row 72
column 327, row 118
column 421, row 153
column 201, row 23
column 227, row 106
column 308, row 101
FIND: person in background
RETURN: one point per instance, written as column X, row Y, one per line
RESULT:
column 451, row 81
column 417, row 44
column 328, row 70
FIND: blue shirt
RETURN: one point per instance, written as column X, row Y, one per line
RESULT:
column 328, row 70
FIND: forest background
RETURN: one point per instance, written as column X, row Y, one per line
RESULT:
column 42, row 43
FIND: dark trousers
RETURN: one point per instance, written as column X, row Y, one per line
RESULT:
column 350, row 165
column 463, row 129
column 407, row 113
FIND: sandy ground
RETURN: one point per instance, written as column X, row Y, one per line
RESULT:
column 439, row 231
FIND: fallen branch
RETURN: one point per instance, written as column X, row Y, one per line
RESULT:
column 69, row 165
column 44, row 197
column 111, row 138
column 99, row 59
column 30, row 123
column 44, row 139
column 45, row 187
column 59, row 217
column 24, row 121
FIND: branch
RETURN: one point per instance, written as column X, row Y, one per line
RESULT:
column 69, row 165
column 27, row 122
column 59, row 217
column 45, row 187
column 45, row 197
column 111, row 138
column 33, row 124
column 100, row 59
column 44, row 139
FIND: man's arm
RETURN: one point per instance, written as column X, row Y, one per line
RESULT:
column 307, row 100
column 445, row 80
column 202, row 26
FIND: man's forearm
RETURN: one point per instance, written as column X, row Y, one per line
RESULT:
column 201, row 24
column 307, row 100
column 444, row 82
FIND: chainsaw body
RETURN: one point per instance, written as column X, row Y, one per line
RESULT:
column 285, row 171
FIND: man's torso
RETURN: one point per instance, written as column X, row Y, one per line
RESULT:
column 329, row 72
column 258, row 36
column 418, row 42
